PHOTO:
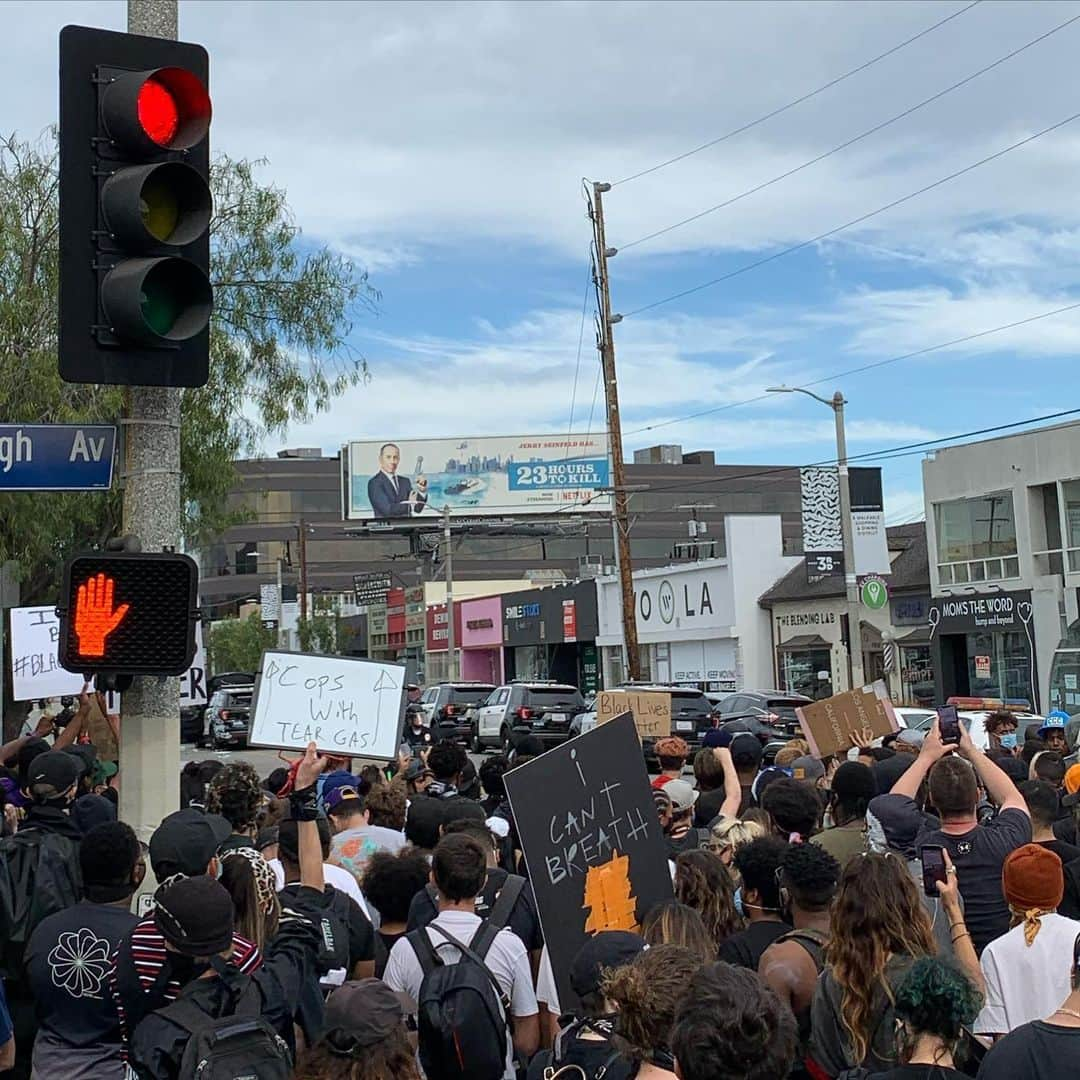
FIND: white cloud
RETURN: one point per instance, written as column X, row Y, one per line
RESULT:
column 903, row 505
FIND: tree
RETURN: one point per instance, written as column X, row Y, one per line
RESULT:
column 238, row 644
column 278, row 345
column 323, row 631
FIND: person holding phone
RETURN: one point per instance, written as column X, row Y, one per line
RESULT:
column 954, row 774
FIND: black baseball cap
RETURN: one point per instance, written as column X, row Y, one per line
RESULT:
column 186, row 841
column 55, row 768
column 195, row 915
column 607, row 950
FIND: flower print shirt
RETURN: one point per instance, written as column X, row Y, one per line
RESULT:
column 68, row 965
column 352, row 848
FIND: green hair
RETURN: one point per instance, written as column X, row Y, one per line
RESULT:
column 936, row 999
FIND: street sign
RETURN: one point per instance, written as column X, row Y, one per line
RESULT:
column 874, row 593
column 56, row 457
column 268, row 602
column 370, row 588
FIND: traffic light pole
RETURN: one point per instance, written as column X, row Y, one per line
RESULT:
column 150, row 708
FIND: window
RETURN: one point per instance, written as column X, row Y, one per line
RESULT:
column 976, row 539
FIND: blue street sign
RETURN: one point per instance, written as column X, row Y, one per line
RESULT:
column 56, row 457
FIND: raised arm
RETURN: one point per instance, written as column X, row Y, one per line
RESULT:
column 305, row 808
column 729, row 808
column 933, row 750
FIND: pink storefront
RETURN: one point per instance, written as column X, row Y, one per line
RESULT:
column 482, row 640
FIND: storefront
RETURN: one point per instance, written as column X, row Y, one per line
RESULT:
column 810, row 650
column 910, row 619
column 983, row 645
column 437, row 660
column 700, row 624
column 482, row 640
column 551, row 634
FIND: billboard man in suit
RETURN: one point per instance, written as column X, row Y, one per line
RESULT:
column 391, row 495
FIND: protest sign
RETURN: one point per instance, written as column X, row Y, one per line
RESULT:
column 592, row 840
column 827, row 725
column 345, row 706
column 651, row 711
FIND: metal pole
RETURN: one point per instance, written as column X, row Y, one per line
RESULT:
column 150, row 709
column 280, row 605
column 618, row 478
column 303, row 570
column 451, row 636
column 854, row 625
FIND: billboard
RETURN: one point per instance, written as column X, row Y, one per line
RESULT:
column 411, row 480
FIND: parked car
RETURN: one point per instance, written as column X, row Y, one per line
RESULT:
column 227, row 716
column 974, row 720
column 692, row 714
column 194, row 725
column 543, row 709
column 774, row 708
column 450, row 709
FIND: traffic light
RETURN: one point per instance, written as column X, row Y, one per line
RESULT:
column 135, row 207
column 124, row 613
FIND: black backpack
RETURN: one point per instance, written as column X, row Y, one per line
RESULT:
column 499, row 916
column 39, row 876
column 239, row 1046
column 463, row 1016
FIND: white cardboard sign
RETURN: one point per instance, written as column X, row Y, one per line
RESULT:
column 345, row 706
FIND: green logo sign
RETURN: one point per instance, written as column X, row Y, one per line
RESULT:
column 875, row 594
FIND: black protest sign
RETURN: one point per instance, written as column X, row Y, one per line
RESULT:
column 592, row 840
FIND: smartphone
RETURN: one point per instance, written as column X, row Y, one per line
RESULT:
column 933, row 869
column 949, row 724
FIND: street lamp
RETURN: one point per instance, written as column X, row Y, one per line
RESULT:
column 836, row 403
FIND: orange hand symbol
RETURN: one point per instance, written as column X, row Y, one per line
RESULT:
column 94, row 615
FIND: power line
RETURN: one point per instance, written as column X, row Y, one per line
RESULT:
column 799, row 100
column 855, row 221
column 867, row 367
column 850, row 142
column 577, row 363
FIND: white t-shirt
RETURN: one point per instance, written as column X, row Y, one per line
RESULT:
column 507, row 960
column 1026, row 982
column 342, row 880
column 547, row 993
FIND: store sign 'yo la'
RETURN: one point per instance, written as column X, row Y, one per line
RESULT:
column 874, row 593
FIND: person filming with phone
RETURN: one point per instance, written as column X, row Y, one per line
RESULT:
column 954, row 769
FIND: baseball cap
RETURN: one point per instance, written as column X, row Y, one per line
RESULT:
column 186, row 841
column 1055, row 721
column 682, row 795
column 195, row 915
column 746, row 748
column 603, row 952
column 55, row 768
column 715, row 737
column 807, row 768
column 85, row 756
column 344, row 798
column 361, row 1014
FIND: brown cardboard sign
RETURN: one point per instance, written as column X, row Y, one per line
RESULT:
column 652, row 710
column 827, row 725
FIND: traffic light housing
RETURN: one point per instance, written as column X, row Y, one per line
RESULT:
column 135, row 209
column 124, row 613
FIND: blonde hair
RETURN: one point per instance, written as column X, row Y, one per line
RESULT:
column 733, row 833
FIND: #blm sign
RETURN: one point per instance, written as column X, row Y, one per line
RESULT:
column 345, row 706
column 827, row 725
column 651, row 711
column 592, row 840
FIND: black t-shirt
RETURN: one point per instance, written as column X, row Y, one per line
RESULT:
column 1067, row 853
column 744, row 949
column 67, row 963
column 917, row 1072
column 1070, row 902
column 523, row 920
column 590, row 1055
column 361, row 933
column 707, row 808
column 1065, row 829
column 1036, row 1051
column 383, row 944
column 978, row 856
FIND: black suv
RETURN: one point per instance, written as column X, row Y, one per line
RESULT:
column 543, row 709
column 450, row 709
column 227, row 716
column 774, row 708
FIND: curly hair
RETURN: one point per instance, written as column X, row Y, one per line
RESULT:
column 648, row 993
column 793, row 807
column 237, row 794
column 757, row 862
column 998, row 719
column 391, row 1059
column 672, row 923
column 386, row 806
column 810, row 874
column 391, row 881
column 936, row 999
column 702, row 882
column 446, row 760
column 877, row 914
column 732, row 1024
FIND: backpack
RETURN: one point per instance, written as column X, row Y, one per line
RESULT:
column 505, row 902
column 240, row 1046
column 39, row 876
column 558, row 1068
column 462, row 1013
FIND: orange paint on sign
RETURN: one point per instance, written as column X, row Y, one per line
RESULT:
column 95, row 617
column 608, row 897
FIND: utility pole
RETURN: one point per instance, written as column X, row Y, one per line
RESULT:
column 280, row 605
column 303, row 570
column 150, row 707
column 606, row 345
column 451, row 636
column 850, row 581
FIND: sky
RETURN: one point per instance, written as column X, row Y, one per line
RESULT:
column 443, row 146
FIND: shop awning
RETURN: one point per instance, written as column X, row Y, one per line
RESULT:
column 804, row 641
column 919, row 636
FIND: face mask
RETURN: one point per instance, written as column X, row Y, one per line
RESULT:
column 738, row 902
column 1008, row 741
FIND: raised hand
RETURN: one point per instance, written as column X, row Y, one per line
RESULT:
column 95, row 617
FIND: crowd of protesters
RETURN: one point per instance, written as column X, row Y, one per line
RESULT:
column 910, row 914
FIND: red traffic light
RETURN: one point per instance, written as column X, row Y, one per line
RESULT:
column 151, row 111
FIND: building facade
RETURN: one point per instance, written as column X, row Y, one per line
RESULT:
column 1003, row 531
